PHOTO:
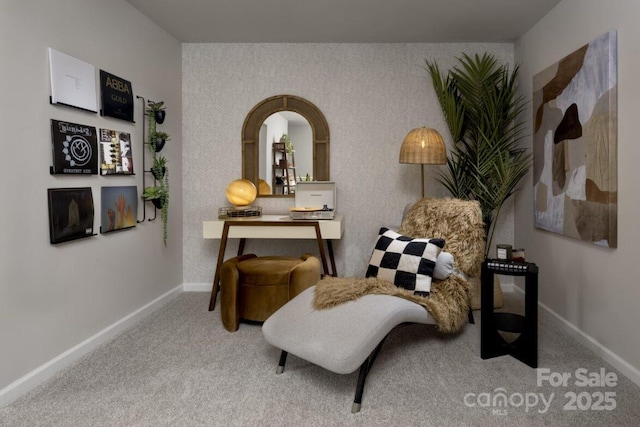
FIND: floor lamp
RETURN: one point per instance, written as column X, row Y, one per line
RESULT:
column 424, row 146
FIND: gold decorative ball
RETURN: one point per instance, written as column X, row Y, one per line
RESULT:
column 241, row 193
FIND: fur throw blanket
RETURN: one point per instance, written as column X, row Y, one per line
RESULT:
column 448, row 301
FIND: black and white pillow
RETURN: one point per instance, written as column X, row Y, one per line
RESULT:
column 408, row 263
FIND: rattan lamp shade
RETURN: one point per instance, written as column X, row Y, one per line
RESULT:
column 423, row 146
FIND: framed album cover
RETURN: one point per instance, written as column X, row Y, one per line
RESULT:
column 117, row 97
column 70, row 213
column 73, row 82
column 75, row 148
column 116, row 157
column 119, row 208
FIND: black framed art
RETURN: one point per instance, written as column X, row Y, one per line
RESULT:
column 117, row 97
column 70, row 213
column 75, row 148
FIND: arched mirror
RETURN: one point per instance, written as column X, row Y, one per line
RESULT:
column 285, row 139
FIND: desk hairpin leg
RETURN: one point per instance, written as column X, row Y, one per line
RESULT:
column 323, row 256
column 331, row 258
column 216, row 277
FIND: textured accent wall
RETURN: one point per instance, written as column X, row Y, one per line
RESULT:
column 371, row 94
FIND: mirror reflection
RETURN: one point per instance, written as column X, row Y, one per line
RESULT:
column 267, row 162
column 285, row 153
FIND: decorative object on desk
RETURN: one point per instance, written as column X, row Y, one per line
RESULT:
column 314, row 200
column 263, row 187
column 231, row 212
column 424, row 146
column 518, row 255
column 241, row 193
column 119, row 207
column 73, row 82
column 117, row 97
column 115, row 152
column 70, row 213
column 503, row 252
column 575, row 144
column 482, row 107
column 75, row 148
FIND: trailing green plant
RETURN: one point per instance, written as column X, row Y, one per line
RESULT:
column 152, row 106
column 159, row 167
column 482, row 108
column 159, row 196
column 159, row 193
column 155, row 136
column 156, row 110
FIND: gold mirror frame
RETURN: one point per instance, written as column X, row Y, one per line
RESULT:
column 274, row 104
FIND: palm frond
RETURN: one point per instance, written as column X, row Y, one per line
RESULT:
column 482, row 106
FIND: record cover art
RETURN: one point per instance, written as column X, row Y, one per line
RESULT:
column 116, row 157
column 75, row 148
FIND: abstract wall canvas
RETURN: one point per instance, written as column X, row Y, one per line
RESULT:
column 70, row 213
column 119, row 207
column 575, row 144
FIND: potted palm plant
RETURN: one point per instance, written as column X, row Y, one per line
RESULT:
column 482, row 108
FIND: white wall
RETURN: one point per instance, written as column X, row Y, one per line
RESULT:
column 372, row 95
column 276, row 127
column 52, row 297
column 594, row 289
column 302, row 139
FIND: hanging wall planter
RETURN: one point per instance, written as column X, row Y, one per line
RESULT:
column 159, row 167
column 157, row 140
column 157, row 110
column 160, row 115
column 159, row 193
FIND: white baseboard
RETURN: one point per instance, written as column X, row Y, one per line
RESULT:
column 197, row 287
column 46, row 371
column 601, row 351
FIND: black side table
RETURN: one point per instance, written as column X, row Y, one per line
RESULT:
column 525, row 347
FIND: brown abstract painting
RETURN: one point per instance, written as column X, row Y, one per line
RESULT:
column 575, row 144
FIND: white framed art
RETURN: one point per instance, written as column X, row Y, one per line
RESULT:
column 73, row 81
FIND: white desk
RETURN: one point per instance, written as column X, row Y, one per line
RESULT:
column 272, row 227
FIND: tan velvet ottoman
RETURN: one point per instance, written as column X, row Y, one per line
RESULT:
column 253, row 288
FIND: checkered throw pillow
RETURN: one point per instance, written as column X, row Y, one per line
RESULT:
column 407, row 262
